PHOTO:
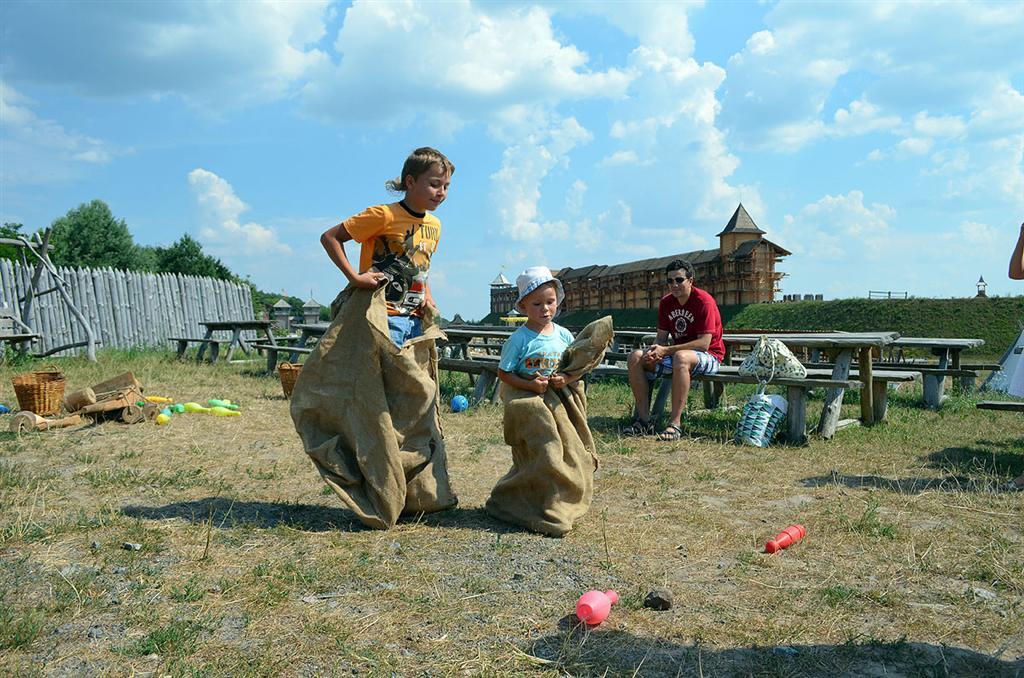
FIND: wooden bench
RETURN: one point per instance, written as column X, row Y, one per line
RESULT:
column 933, row 379
column 15, row 332
column 273, row 349
column 1005, row 406
column 796, row 389
column 214, row 345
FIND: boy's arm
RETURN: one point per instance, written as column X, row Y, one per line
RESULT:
column 1017, row 260
column 428, row 296
column 333, row 240
column 538, row 384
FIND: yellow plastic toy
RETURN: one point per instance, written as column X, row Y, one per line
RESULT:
column 159, row 399
column 162, row 419
column 224, row 412
column 196, row 407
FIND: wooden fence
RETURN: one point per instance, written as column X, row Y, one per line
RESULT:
column 126, row 309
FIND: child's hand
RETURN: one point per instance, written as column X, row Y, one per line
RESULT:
column 370, row 280
column 558, row 380
column 539, row 384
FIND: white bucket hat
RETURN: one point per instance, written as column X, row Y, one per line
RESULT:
column 534, row 277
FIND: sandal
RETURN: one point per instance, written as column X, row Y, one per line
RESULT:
column 638, row 428
column 671, row 432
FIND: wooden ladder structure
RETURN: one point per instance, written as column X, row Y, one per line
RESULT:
column 38, row 247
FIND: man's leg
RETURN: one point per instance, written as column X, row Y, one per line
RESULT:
column 639, row 384
column 682, row 364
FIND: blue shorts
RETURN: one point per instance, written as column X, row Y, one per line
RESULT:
column 404, row 327
column 706, row 364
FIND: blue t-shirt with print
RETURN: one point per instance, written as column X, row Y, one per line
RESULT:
column 527, row 352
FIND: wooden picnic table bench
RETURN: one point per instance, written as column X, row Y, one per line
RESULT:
column 848, row 344
column 236, row 327
column 309, row 334
column 796, row 389
column 214, row 344
column 272, row 350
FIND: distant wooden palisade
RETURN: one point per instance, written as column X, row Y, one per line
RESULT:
column 740, row 271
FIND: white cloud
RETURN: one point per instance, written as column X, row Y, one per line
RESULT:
column 905, row 58
column 761, row 43
column 576, row 195
column 40, row 150
column 938, row 126
column 481, row 61
column 215, row 55
column 835, row 225
column 914, row 146
column 620, row 158
column 516, row 185
column 223, row 231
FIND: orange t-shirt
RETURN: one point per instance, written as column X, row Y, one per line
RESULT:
column 399, row 243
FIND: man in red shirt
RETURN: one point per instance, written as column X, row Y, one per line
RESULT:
column 689, row 342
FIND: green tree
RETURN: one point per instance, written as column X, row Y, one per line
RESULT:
column 12, row 231
column 89, row 235
column 186, row 256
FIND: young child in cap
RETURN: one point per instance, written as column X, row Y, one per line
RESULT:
column 530, row 356
column 550, row 484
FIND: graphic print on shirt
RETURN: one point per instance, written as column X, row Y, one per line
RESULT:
column 544, row 363
column 680, row 320
column 405, row 260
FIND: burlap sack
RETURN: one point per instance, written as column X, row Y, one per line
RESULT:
column 551, row 482
column 368, row 413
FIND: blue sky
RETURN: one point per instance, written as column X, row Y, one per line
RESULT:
column 881, row 143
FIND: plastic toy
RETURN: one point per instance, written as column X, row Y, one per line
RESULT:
column 177, row 408
column 593, row 606
column 459, row 403
column 224, row 412
column 160, row 399
column 4, row 409
column 196, row 407
column 166, row 411
column 786, row 538
column 162, row 419
column 214, row 402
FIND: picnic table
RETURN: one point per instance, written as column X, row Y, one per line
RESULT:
column 460, row 338
column 933, row 375
column 236, row 327
column 309, row 333
column 848, row 343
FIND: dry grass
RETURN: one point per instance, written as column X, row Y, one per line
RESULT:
column 913, row 564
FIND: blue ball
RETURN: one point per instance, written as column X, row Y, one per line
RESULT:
column 459, row 403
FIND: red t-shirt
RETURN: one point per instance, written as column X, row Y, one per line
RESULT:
column 699, row 315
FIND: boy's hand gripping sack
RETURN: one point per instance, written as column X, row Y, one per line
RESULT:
column 770, row 359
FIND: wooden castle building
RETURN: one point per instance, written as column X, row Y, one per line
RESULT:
column 742, row 270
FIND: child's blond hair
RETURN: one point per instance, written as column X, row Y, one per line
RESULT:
column 418, row 162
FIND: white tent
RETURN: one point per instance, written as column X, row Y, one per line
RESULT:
column 1011, row 362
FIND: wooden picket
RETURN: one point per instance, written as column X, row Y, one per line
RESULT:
column 126, row 309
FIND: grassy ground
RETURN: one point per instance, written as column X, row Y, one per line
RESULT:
column 913, row 563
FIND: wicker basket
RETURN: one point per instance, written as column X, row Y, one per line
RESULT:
column 289, row 373
column 39, row 392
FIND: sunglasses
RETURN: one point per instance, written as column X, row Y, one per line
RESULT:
column 677, row 281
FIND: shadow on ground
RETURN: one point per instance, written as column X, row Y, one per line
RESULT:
column 611, row 652
column 901, row 485
column 1004, row 457
column 984, row 468
column 225, row 513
